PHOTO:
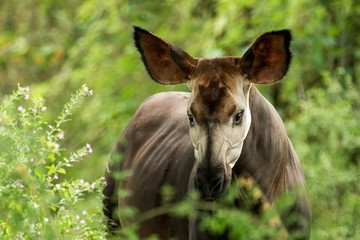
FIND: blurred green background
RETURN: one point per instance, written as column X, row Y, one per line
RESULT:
column 54, row 47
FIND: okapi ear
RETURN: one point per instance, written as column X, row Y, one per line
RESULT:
column 268, row 59
column 165, row 63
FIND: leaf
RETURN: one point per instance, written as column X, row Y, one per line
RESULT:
column 61, row 171
column 51, row 157
column 51, row 169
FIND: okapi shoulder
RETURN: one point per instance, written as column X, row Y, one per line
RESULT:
column 165, row 104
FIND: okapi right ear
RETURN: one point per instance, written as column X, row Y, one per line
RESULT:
column 268, row 59
column 165, row 63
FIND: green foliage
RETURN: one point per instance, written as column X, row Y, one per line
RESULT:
column 224, row 216
column 56, row 46
column 36, row 202
column 244, row 223
column 327, row 137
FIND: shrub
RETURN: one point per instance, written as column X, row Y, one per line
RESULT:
column 36, row 200
column 326, row 137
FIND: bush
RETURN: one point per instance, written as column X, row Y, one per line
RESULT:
column 36, row 202
column 326, row 137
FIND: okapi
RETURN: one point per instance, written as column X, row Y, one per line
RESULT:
column 200, row 141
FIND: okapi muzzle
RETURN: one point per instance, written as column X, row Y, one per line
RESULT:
column 212, row 181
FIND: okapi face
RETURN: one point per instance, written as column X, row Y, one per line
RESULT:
column 218, row 110
column 219, row 118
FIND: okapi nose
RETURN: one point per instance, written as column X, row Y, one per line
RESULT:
column 211, row 183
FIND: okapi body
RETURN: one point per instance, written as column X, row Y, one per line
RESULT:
column 201, row 141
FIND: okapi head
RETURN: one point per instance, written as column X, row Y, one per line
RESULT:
column 218, row 110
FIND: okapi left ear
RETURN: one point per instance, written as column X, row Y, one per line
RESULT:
column 165, row 63
column 268, row 59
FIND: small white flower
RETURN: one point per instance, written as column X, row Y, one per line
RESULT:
column 20, row 108
column 36, row 205
column 82, row 221
column 88, row 91
column 19, row 185
column 84, row 212
column 58, row 186
column 32, row 160
column 26, row 97
column 27, row 89
column 56, row 177
column 82, row 181
column 57, row 146
column 43, row 109
column 61, row 135
column 88, row 146
column 77, row 217
column 46, row 219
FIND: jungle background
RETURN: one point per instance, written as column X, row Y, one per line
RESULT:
column 55, row 47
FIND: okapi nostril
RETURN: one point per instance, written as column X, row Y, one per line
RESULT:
column 202, row 188
column 217, row 187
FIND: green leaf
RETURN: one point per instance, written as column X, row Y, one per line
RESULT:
column 51, row 169
column 61, row 170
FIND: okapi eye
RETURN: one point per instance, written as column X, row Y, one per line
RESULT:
column 191, row 120
column 238, row 118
